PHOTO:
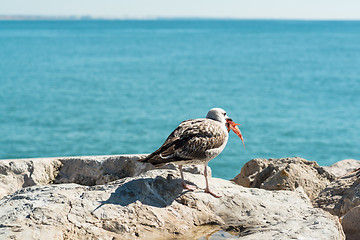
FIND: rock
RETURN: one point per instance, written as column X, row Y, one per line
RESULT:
column 343, row 167
column 91, row 171
column 284, row 174
column 351, row 223
column 341, row 195
column 97, row 170
column 88, row 170
column 342, row 198
column 153, row 205
column 337, row 197
column 16, row 174
column 195, row 169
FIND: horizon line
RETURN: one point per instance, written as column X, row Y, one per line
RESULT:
column 34, row 17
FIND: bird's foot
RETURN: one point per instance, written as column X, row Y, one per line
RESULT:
column 189, row 187
column 213, row 194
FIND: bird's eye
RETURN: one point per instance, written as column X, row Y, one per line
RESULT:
column 224, row 114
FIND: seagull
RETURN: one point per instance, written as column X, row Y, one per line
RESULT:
column 196, row 141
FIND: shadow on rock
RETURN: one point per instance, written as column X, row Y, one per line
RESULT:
column 156, row 192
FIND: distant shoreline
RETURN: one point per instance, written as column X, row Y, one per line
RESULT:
column 107, row 18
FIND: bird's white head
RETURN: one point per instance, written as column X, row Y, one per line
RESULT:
column 217, row 114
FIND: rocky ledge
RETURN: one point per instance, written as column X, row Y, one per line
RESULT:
column 116, row 197
column 335, row 188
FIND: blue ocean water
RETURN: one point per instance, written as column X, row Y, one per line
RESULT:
column 70, row 88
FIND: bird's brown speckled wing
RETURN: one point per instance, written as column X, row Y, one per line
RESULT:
column 189, row 141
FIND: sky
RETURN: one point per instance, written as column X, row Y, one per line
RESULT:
column 138, row 9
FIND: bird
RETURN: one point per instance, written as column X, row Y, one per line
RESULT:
column 195, row 141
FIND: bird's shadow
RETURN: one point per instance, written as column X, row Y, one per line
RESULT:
column 157, row 192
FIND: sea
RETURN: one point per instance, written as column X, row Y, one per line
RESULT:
column 102, row 87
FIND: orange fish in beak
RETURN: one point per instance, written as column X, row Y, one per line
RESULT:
column 234, row 126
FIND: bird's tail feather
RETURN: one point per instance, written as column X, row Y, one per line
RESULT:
column 155, row 158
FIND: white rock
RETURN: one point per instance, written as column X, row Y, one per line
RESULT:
column 284, row 174
column 88, row 170
column 343, row 167
column 341, row 195
column 342, row 198
column 351, row 223
column 16, row 174
column 153, row 205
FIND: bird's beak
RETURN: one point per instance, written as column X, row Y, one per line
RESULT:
column 227, row 118
column 227, row 123
column 234, row 126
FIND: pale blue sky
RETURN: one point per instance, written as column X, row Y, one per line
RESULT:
column 278, row 9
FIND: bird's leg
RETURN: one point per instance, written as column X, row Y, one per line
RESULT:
column 186, row 186
column 207, row 189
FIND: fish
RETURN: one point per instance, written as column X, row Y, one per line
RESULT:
column 234, row 127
